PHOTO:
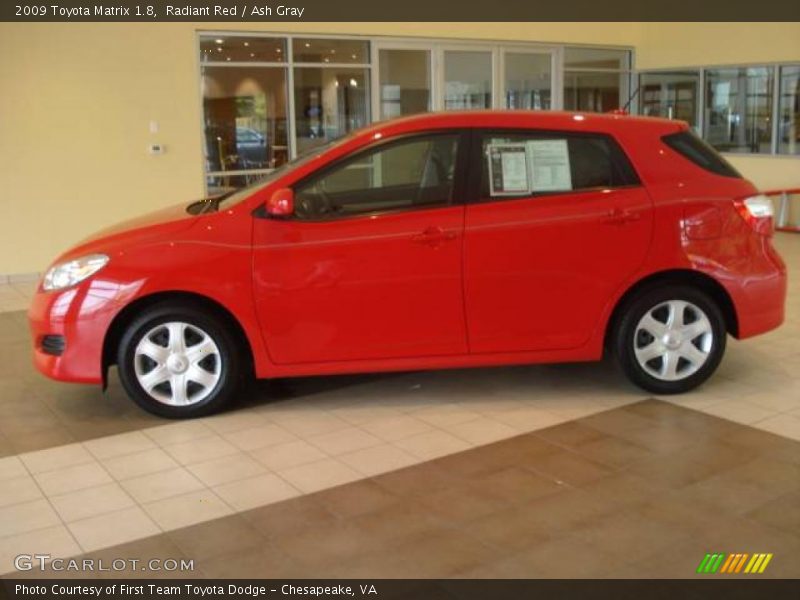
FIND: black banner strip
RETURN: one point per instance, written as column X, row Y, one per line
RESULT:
column 259, row 11
column 585, row 589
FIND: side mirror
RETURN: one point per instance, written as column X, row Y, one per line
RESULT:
column 281, row 203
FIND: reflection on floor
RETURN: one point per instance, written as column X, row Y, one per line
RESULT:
column 316, row 454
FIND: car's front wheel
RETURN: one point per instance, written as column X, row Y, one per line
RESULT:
column 179, row 361
column 670, row 339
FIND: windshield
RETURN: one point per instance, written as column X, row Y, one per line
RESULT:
column 242, row 193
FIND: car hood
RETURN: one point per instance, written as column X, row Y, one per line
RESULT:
column 163, row 225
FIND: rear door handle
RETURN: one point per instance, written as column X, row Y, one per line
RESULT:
column 433, row 236
column 619, row 216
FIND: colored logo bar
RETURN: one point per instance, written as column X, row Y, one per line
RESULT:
column 741, row 562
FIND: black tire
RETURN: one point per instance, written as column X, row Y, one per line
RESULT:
column 229, row 369
column 626, row 339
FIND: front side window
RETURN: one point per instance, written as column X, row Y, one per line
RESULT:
column 413, row 173
column 521, row 165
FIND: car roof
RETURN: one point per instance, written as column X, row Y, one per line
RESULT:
column 538, row 119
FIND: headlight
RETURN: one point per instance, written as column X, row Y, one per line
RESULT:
column 69, row 273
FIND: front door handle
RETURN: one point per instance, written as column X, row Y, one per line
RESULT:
column 433, row 236
column 619, row 216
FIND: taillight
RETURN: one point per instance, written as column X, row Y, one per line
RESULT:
column 758, row 212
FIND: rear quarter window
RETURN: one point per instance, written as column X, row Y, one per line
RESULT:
column 702, row 154
column 521, row 164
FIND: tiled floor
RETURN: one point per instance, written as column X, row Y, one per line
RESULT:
column 81, row 471
column 639, row 491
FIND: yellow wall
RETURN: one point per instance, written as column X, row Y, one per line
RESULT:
column 78, row 98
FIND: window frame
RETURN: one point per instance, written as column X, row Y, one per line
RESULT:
column 476, row 166
column 457, row 196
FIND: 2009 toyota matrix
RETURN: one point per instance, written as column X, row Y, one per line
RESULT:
column 434, row 241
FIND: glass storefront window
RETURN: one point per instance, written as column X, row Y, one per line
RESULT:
column 738, row 108
column 245, row 113
column 405, row 82
column 321, row 50
column 789, row 111
column 221, row 49
column 528, row 79
column 329, row 102
column 596, row 58
column 593, row 91
column 672, row 95
column 467, row 79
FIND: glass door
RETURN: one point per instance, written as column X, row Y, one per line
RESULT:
column 404, row 80
column 527, row 79
column 468, row 79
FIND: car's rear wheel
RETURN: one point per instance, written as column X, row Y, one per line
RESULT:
column 179, row 361
column 670, row 339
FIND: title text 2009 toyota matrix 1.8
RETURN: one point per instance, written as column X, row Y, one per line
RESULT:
column 435, row 241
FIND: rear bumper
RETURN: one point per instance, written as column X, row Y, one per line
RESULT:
column 81, row 316
column 760, row 294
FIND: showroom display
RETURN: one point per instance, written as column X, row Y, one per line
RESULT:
column 441, row 240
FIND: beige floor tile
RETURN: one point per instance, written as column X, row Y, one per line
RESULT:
column 226, row 469
column 139, row 463
column 530, row 419
column 91, row 502
column 320, row 475
column 113, row 529
column 11, row 467
column 27, row 516
column 235, row 421
column 256, row 491
column 446, row 414
column 56, row 458
column 393, row 428
column 785, row 425
column 481, row 431
column 777, row 402
column 164, row 484
column 262, row 436
column 72, row 478
column 368, row 412
column 56, row 541
column 344, row 440
column 200, row 450
column 187, row 509
column 176, row 433
column 19, row 489
column 308, row 423
column 378, row 459
column 739, row 411
column 432, row 444
column 119, row 445
column 290, row 454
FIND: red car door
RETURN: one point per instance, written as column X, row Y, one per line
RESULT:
column 560, row 223
column 369, row 266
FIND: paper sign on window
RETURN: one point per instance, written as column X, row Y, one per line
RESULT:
column 508, row 169
column 549, row 165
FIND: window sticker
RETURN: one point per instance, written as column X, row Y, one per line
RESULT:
column 549, row 165
column 508, row 169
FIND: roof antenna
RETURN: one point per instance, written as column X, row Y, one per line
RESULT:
column 628, row 103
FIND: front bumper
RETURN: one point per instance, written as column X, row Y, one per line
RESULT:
column 81, row 315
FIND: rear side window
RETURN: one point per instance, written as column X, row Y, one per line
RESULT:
column 530, row 163
column 688, row 145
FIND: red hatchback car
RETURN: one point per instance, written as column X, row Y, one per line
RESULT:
column 434, row 241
